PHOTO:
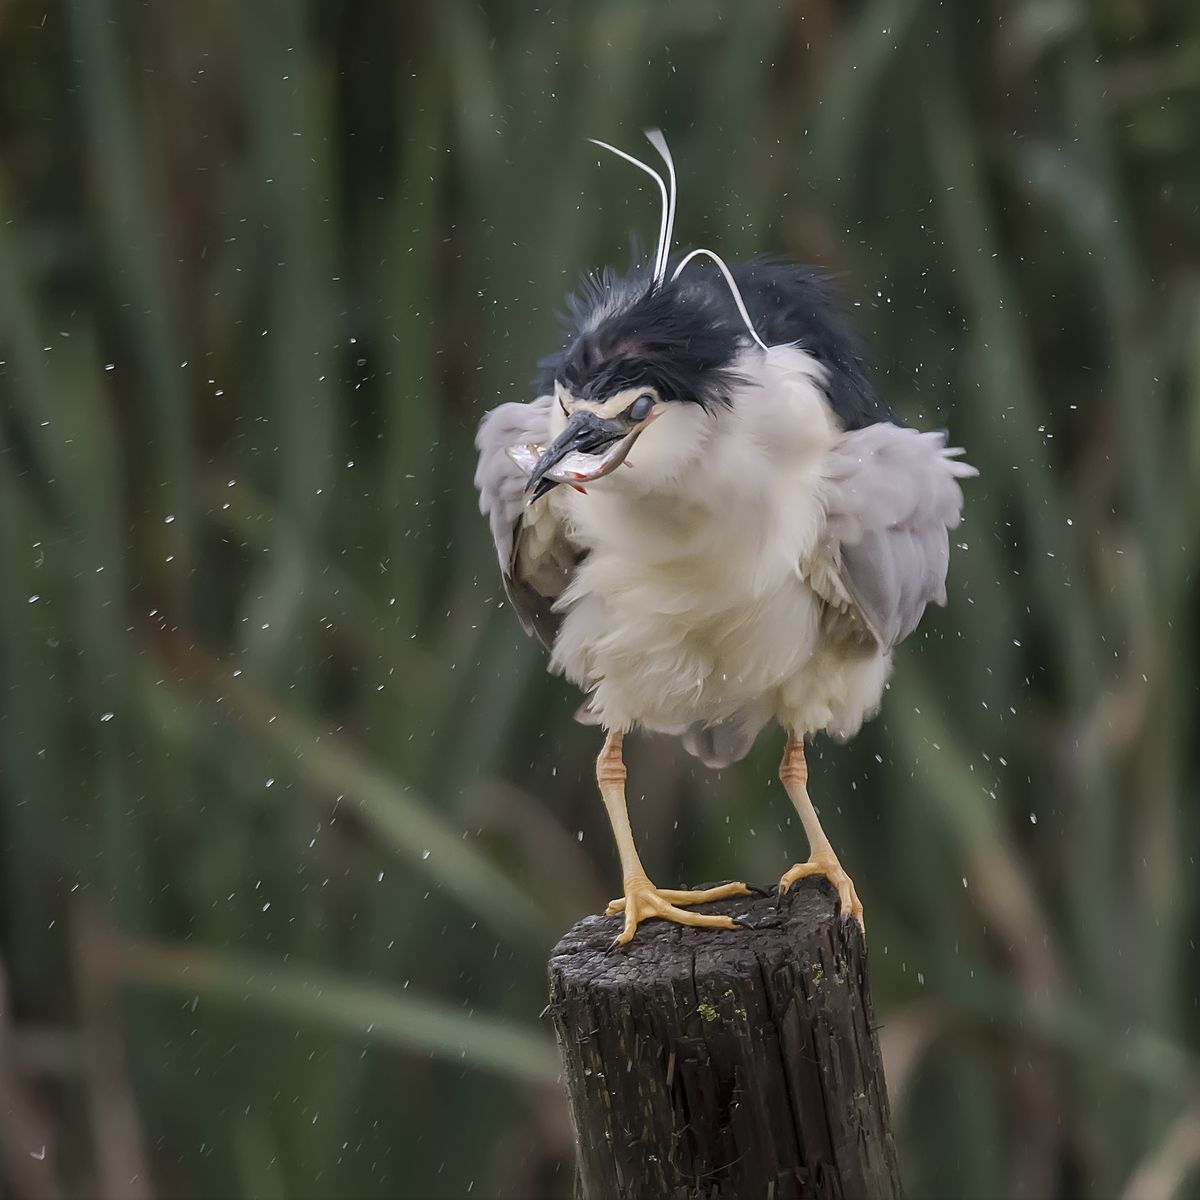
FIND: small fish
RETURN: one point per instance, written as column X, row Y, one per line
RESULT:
column 576, row 468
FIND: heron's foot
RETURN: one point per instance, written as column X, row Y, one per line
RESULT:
column 826, row 863
column 642, row 900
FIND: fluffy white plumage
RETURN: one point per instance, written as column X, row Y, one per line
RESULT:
column 757, row 561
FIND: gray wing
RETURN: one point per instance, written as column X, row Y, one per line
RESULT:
column 536, row 557
column 891, row 497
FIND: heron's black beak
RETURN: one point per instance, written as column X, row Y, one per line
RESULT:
column 585, row 433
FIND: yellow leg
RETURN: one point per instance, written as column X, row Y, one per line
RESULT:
column 793, row 774
column 642, row 900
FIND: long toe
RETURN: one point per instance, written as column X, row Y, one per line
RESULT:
column 680, row 916
column 692, row 896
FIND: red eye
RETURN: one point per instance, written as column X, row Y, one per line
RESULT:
column 639, row 410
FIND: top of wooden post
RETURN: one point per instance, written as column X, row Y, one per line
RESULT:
column 725, row 1063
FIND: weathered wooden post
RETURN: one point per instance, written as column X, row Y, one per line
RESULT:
column 714, row 1065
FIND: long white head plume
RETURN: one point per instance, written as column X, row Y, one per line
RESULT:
column 733, row 287
column 660, row 261
column 656, row 139
column 666, row 225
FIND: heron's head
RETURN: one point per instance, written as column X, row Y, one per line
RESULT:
column 644, row 364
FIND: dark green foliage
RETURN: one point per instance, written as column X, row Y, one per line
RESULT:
column 290, row 814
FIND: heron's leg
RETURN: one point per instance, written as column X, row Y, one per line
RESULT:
column 793, row 774
column 642, row 899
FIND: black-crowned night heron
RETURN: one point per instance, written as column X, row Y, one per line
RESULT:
column 747, row 532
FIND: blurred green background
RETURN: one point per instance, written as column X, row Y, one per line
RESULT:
column 291, row 814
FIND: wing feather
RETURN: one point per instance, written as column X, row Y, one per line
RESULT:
column 891, row 497
column 537, row 559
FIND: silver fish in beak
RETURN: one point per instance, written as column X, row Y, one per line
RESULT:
column 588, row 449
